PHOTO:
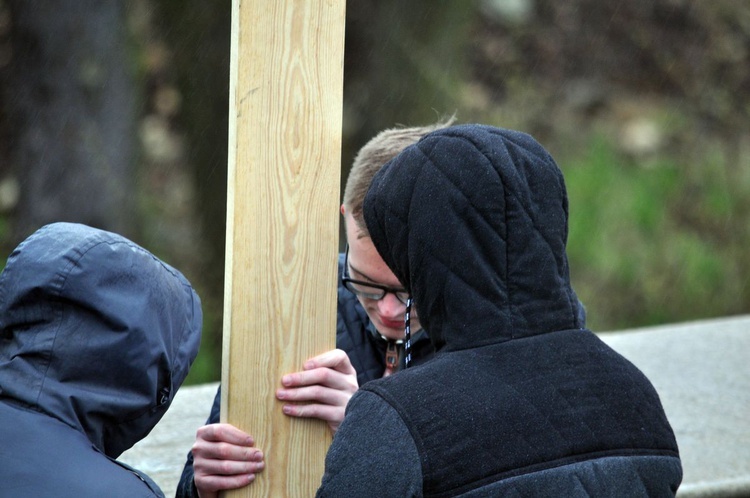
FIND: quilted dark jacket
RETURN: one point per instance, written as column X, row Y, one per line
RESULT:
column 96, row 336
column 520, row 399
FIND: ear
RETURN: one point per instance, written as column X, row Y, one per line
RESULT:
column 343, row 210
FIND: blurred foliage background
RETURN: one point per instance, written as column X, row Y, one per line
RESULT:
column 114, row 113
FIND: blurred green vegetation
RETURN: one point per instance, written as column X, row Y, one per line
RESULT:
column 206, row 366
column 635, row 259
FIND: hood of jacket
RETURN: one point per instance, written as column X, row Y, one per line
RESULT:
column 96, row 332
column 473, row 221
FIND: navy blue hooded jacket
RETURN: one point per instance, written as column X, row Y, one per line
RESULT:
column 97, row 335
column 520, row 399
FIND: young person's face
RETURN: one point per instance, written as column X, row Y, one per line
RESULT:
column 365, row 264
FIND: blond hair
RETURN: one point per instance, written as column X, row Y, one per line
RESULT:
column 374, row 155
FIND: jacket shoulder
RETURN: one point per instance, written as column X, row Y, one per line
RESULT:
column 71, row 467
column 354, row 469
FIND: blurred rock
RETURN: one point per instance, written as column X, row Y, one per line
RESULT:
column 159, row 143
column 510, row 11
column 641, row 137
column 9, row 193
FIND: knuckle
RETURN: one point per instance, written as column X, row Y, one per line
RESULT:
column 292, row 379
column 226, row 468
column 202, row 432
column 324, row 375
column 291, row 394
column 224, row 451
column 208, row 432
column 251, row 455
column 318, row 392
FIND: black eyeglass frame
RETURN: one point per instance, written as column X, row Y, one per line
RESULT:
column 401, row 294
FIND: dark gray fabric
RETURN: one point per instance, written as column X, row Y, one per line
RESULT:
column 97, row 336
column 350, row 461
column 607, row 477
column 483, row 415
column 398, row 472
column 473, row 222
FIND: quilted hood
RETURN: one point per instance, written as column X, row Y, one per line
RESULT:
column 473, row 221
column 96, row 332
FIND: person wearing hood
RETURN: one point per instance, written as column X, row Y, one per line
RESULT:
column 520, row 398
column 97, row 335
column 369, row 328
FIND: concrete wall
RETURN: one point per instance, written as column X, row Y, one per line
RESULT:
column 700, row 369
column 702, row 373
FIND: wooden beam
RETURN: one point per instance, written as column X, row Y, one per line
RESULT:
column 286, row 92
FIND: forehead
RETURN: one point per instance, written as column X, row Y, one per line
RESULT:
column 364, row 259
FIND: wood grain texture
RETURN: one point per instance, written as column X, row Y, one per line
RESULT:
column 286, row 91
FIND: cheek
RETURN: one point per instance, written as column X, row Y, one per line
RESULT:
column 366, row 303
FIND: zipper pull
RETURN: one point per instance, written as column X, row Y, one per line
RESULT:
column 391, row 358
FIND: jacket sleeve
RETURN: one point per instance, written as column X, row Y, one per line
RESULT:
column 372, row 454
column 186, row 487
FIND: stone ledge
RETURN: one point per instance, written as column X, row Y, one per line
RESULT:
column 700, row 369
column 702, row 373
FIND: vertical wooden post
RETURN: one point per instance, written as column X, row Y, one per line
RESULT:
column 286, row 91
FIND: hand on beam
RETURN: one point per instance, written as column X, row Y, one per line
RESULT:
column 324, row 386
column 224, row 458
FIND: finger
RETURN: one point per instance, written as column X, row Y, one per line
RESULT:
column 319, row 376
column 211, row 484
column 326, row 377
column 336, row 359
column 315, row 394
column 323, row 412
column 225, row 433
column 224, row 451
column 211, row 467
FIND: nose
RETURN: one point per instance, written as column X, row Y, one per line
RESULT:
column 390, row 307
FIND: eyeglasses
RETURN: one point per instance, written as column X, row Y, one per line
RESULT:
column 369, row 290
